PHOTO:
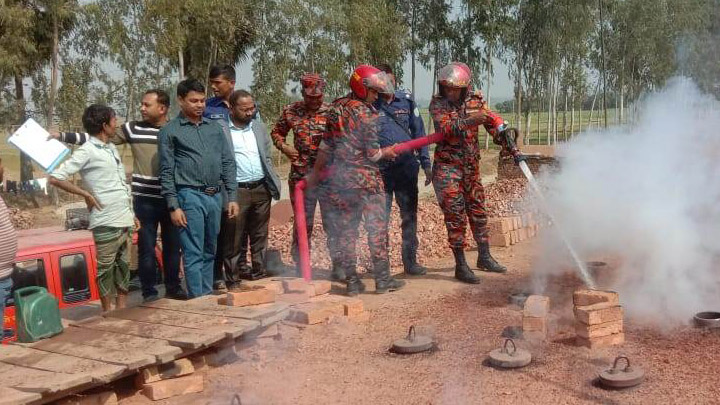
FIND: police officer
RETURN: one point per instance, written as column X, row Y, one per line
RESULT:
column 457, row 113
column 350, row 150
column 400, row 121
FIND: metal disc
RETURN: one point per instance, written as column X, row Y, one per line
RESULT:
column 500, row 358
column 418, row 344
column 622, row 378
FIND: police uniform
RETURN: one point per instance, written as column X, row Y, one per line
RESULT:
column 400, row 121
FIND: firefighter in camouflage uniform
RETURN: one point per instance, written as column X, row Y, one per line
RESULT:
column 350, row 151
column 457, row 113
column 308, row 121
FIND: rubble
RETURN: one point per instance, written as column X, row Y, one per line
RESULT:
column 22, row 219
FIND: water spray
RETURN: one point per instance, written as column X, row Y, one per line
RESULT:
column 510, row 134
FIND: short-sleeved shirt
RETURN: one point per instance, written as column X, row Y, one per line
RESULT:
column 351, row 138
column 400, row 121
column 216, row 109
column 308, row 129
column 100, row 166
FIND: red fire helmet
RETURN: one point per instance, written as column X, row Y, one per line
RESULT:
column 455, row 74
column 369, row 77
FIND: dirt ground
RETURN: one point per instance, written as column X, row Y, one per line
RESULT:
column 347, row 362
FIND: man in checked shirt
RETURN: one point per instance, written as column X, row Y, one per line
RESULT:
column 308, row 120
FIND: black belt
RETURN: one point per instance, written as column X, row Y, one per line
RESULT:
column 204, row 189
column 251, row 184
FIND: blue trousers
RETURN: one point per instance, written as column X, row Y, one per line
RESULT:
column 151, row 212
column 199, row 238
column 5, row 293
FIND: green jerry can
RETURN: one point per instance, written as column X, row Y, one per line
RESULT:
column 37, row 314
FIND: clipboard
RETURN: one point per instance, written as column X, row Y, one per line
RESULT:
column 32, row 139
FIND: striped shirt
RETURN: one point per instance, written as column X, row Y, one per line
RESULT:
column 8, row 242
column 142, row 137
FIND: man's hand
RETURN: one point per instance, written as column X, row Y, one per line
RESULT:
column 178, row 218
column 53, row 134
column 136, row 222
column 428, row 176
column 233, row 210
column 475, row 119
column 388, row 152
column 290, row 152
column 91, row 202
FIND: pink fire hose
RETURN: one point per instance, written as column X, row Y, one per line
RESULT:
column 301, row 221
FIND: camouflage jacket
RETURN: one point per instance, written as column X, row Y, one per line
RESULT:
column 351, row 139
column 308, row 129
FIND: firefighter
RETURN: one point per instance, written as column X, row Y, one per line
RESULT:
column 457, row 113
column 307, row 119
column 350, row 151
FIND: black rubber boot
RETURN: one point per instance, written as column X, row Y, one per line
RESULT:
column 354, row 285
column 337, row 274
column 412, row 268
column 485, row 262
column 462, row 270
column 384, row 282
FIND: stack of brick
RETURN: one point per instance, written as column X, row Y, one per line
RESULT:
column 323, row 308
column 169, row 380
column 598, row 318
column 535, row 317
column 506, row 231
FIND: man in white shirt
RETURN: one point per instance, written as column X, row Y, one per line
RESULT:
column 258, row 184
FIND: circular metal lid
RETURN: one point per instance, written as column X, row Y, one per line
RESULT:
column 518, row 298
column 505, row 358
column 707, row 319
column 622, row 377
column 413, row 343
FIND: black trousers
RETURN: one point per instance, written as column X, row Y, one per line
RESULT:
column 401, row 183
column 249, row 227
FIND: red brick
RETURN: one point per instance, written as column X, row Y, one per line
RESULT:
column 513, row 237
column 102, row 398
column 583, row 298
column 499, row 240
column 531, row 324
column 295, row 297
column 536, row 306
column 603, row 341
column 259, row 295
column 297, row 285
column 321, row 287
column 314, row 313
column 517, row 222
column 222, row 300
column 177, row 368
column 598, row 313
column 522, row 234
column 499, row 225
column 599, row 330
column 535, row 335
column 173, row 387
column 509, row 224
column 353, row 307
column 269, row 283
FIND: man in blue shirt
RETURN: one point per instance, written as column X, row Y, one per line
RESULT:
column 222, row 83
column 400, row 121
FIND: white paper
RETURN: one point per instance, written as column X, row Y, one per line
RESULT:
column 32, row 139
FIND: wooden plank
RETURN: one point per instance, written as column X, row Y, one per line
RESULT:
column 11, row 396
column 132, row 360
column 280, row 316
column 160, row 349
column 232, row 327
column 100, row 372
column 176, row 336
column 208, row 306
column 39, row 381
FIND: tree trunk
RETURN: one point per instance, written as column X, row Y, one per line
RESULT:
column 413, row 22
column 565, row 110
column 53, row 70
column 181, row 65
column 549, row 109
column 518, row 100
column 487, row 89
column 592, row 106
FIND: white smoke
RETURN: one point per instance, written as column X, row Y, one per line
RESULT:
column 648, row 193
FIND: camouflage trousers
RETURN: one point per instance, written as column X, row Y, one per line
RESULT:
column 313, row 198
column 460, row 194
column 348, row 208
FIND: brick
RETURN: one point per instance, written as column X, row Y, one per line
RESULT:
column 509, row 224
column 174, row 387
column 598, row 313
column 534, row 335
column 517, row 222
column 513, row 237
column 499, row 225
column 531, row 232
column 353, row 307
column 522, row 234
column 536, row 306
column 166, row 371
column 219, row 356
column 526, row 220
column 199, row 361
column 602, row 341
column 102, row 398
column 583, row 298
column 253, row 296
column 314, row 313
column 532, row 324
column 295, row 297
column 321, row 286
column 599, row 330
column 295, row 285
column 222, row 300
column 269, row 283
column 499, row 240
